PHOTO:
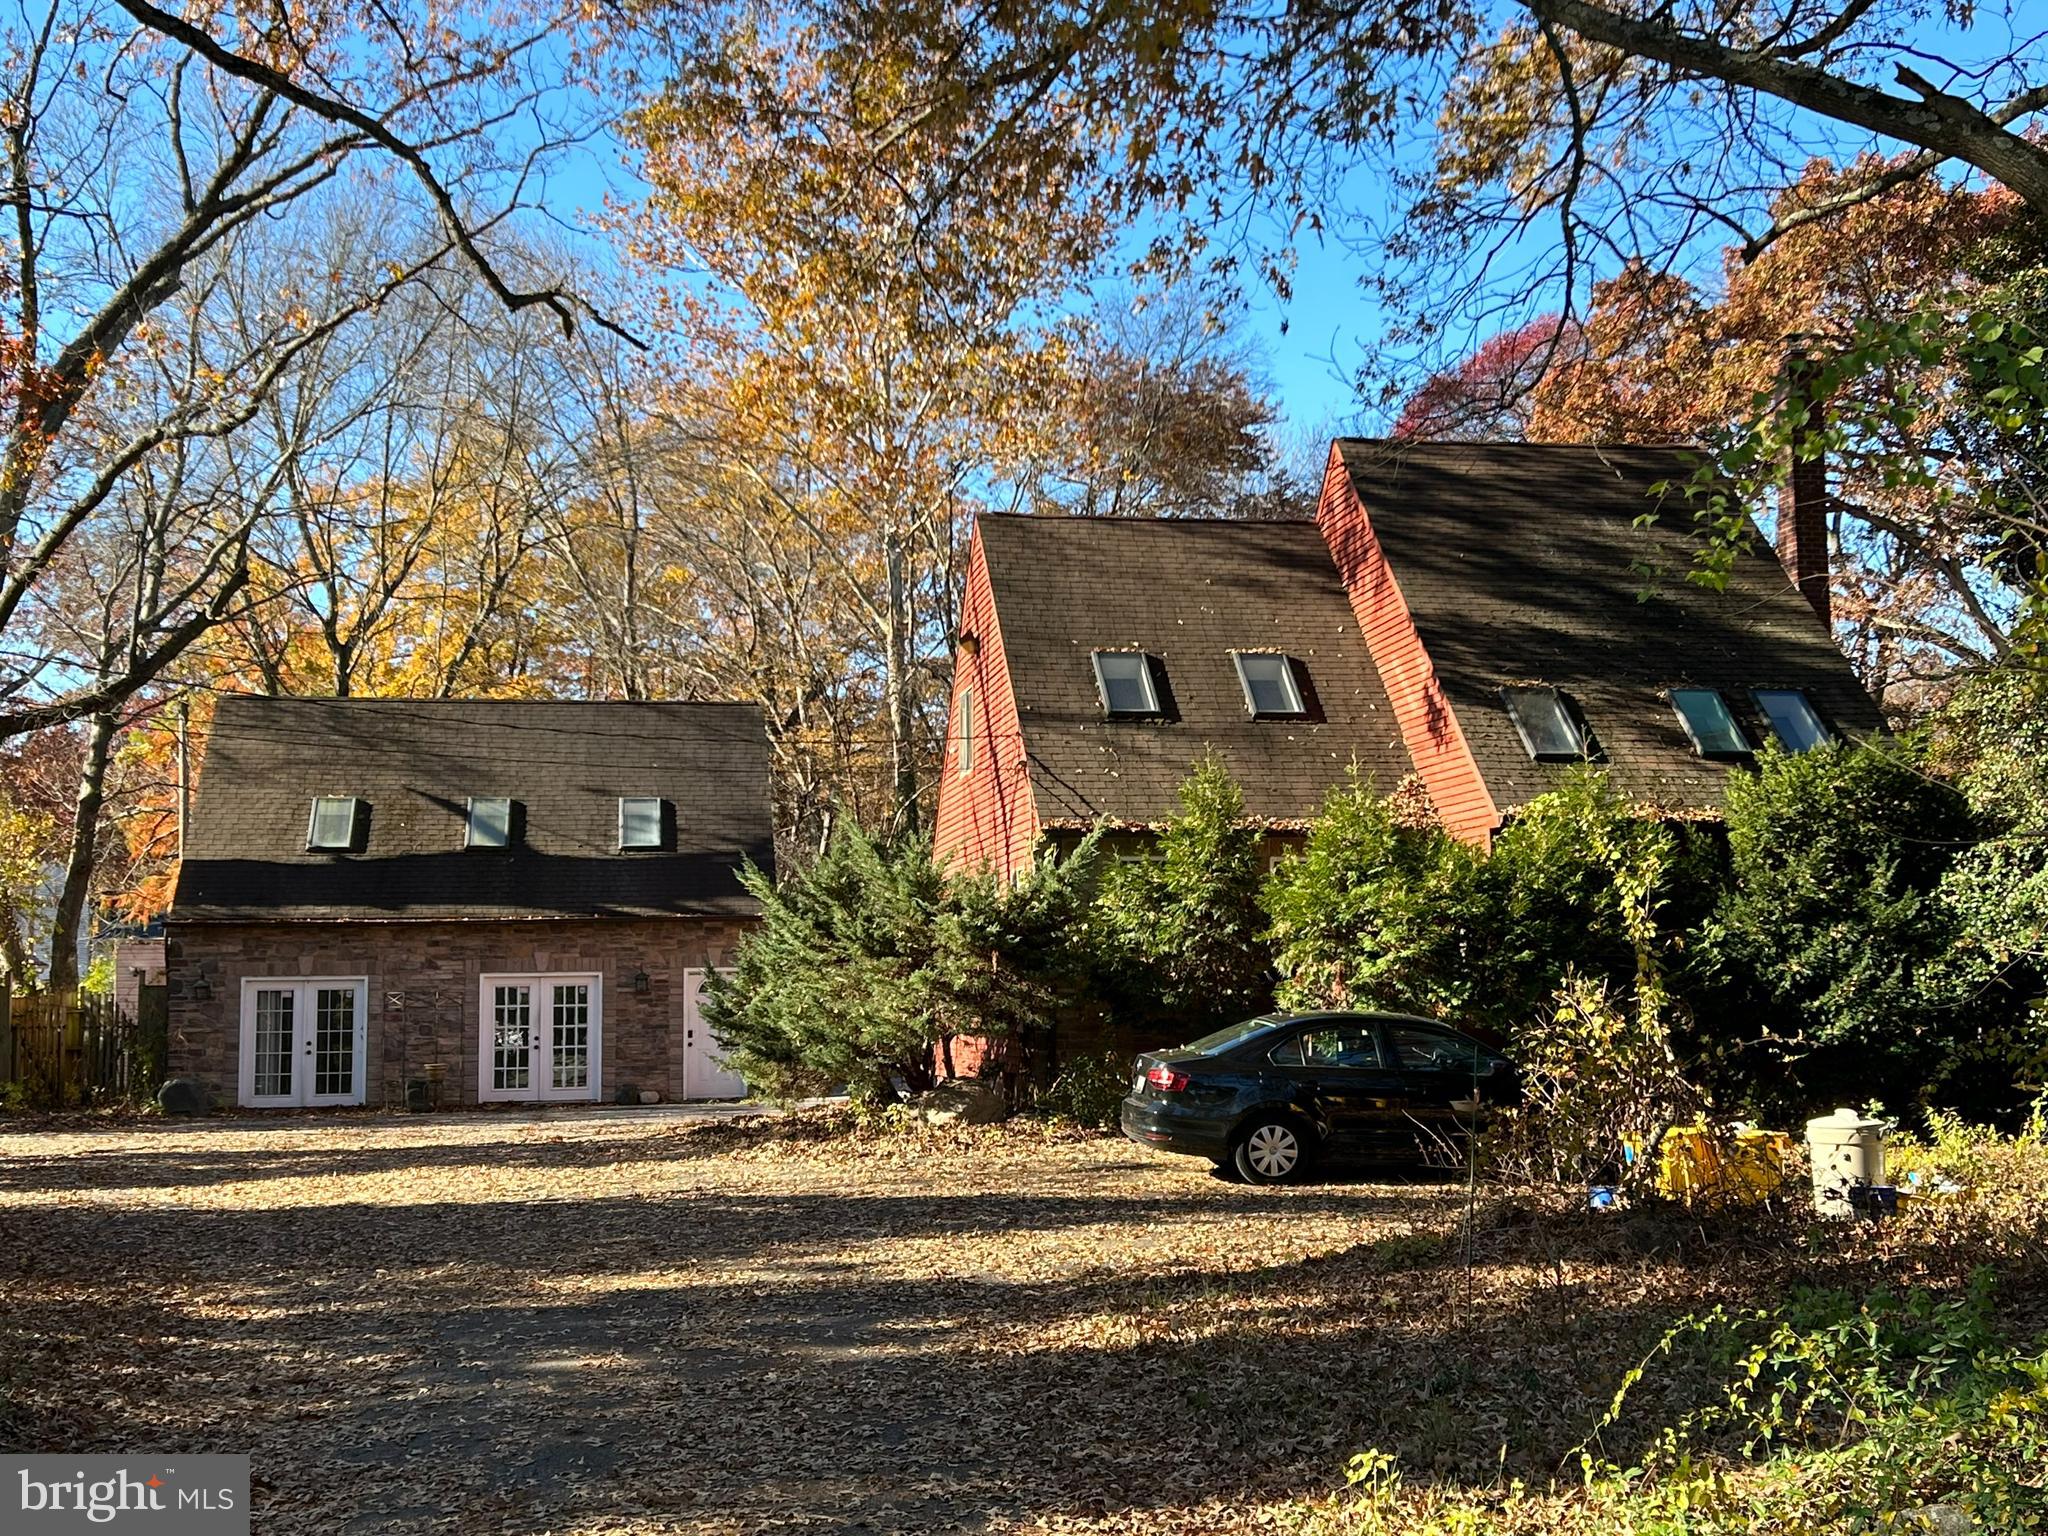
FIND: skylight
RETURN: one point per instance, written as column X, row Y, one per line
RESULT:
column 1269, row 686
column 332, row 826
column 1706, row 718
column 1125, row 680
column 1794, row 721
column 640, row 821
column 1548, row 731
column 490, row 823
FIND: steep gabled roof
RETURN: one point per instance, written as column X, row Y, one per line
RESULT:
column 1523, row 562
column 417, row 762
column 1188, row 592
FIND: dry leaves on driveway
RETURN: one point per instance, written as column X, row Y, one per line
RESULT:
column 489, row 1323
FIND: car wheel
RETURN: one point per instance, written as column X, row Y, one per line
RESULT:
column 1272, row 1150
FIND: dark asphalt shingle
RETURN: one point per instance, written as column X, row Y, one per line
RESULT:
column 416, row 762
column 1523, row 562
column 1188, row 592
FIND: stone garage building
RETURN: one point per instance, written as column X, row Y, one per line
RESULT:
column 508, row 900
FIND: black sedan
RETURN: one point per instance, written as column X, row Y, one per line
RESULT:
column 1271, row 1094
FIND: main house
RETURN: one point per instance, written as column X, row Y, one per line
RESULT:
column 471, row 900
column 1461, row 620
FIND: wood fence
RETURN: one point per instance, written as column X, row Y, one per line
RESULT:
column 63, row 1048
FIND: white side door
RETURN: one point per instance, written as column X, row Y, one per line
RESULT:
column 542, row 1038
column 704, row 1075
column 304, row 1041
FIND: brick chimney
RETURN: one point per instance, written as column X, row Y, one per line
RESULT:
column 1803, row 491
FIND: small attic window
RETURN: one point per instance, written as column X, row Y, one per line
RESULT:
column 490, row 823
column 641, row 820
column 1545, row 724
column 1270, row 691
column 1125, row 681
column 1794, row 721
column 1708, row 722
column 332, row 826
column 965, row 730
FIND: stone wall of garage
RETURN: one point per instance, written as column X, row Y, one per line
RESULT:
column 424, row 985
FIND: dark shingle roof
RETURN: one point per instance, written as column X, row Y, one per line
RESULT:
column 417, row 761
column 1188, row 592
column 1522, row 562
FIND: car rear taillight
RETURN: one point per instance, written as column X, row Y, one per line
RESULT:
column 1166, row 1080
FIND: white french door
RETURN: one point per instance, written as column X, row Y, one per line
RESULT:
column 543, row 1038
column 705, row 1076
column 304, row 1041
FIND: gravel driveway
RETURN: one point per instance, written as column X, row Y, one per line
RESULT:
column 639, row 1323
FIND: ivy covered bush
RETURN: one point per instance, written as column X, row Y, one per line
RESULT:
column 1382, row 912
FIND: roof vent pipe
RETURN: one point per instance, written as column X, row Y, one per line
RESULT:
column 1803, row 485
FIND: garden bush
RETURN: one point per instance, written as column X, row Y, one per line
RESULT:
column 1827, row 1412
column 1090, row 1090
column 1377, row 910
column 1600, row 1083
column 1818, row 961
column 1182, row 936
column 1380, row 911
column 867, row 964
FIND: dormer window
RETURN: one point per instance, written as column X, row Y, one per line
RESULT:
column 490, row 823
column 1125, row 681
column 1270, row 691
column 332, row 826
column 1708, row 723
column 1794, row 721
column 1549, row 732
column 642, row 821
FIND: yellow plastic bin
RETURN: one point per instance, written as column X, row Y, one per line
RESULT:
column 1722, row 1165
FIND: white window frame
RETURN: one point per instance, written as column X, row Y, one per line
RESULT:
column 469, row 820
column 355, row 816
column 537, row 1092
column 1144, row 676
column 1295, row 708
column 965, row 724
column 660, row 804
column 245, row 1078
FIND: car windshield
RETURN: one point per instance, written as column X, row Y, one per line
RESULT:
column 1234, row 1034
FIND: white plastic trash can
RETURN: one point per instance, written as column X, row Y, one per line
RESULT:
column 1847, row 1150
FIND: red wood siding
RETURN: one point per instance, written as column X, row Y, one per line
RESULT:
column 986, row 817
column 1443, row 760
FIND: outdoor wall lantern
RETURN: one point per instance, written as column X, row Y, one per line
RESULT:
column 202, row 991
column 641, row 983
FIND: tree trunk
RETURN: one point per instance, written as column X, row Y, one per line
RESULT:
column 17, row 968
column 78, row 865
column 902, row 749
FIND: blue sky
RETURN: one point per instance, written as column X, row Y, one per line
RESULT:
column 1310, row 346
column 1313, row 344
